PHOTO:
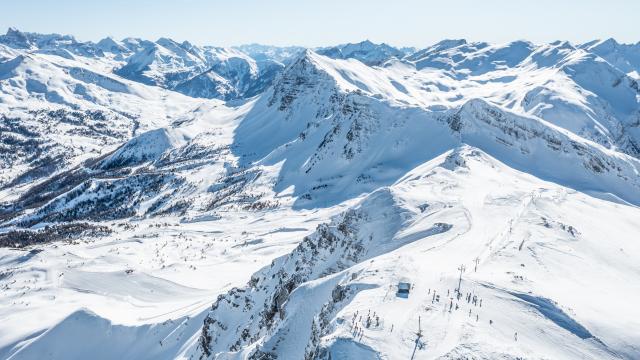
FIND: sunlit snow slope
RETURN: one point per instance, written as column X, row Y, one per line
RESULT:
column 161, row 200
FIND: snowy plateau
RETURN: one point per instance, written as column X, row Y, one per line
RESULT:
column 165, row 200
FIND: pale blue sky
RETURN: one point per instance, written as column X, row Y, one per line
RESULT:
column 315, row 23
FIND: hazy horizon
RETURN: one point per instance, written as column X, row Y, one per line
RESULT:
column 312, row 23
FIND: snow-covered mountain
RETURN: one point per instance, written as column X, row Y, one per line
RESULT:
column 335, row 294
column 267, row 52
column 365, row 51
column 54, row 43
column 206, row 72
column 196, row 71
column 181, row 201
column 623, row 56
column 57, row 112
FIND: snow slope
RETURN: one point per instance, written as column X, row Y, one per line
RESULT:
column 344, row 128
column 461, row 207
column 365, row 51
column 205, row 72
column 623, row 56
column 159, row 222
column 57, row 112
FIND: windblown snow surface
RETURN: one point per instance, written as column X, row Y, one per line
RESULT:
column 160, row 200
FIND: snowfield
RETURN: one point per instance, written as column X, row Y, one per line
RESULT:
column 162, row 200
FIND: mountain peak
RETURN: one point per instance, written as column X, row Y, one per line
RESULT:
column 11, row 31
column 304, row 58
column 562, row 44
column 111, row 45
column 16, row 38
column 166, row 41
column 365, row 51
column 607, row 45
column 449, row 43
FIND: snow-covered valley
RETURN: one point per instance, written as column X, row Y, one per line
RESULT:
column 162, row 200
